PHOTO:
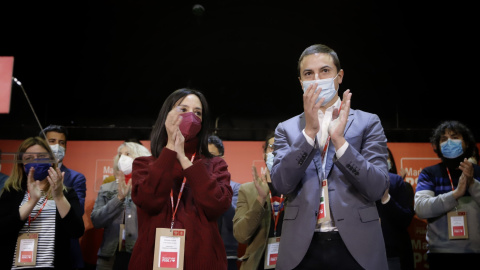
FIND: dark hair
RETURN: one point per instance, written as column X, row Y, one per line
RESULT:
column 215, row 140
column 159, row 137
column 320, row 48
column 394, row 166
column 56, row 128
column 456, row 127
column 270, row 134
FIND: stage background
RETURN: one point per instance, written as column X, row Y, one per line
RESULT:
column 94, row 159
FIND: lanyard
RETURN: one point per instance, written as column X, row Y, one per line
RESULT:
column 30, row 219
column 276, row 214
column 179, row 196
column 450, row 177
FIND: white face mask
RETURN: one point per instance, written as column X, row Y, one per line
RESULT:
column 125, row 164
column 269, row 161
column 328, row 88
column 58, row 151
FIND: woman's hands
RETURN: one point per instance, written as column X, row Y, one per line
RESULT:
column 123, row 188
column 33, row 186
column 176, row 140
column 55, row 179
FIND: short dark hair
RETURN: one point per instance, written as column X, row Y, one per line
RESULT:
column 320, row 48
column 457, row 127
column 159, row 137
column 56, row 128
column 215, row 140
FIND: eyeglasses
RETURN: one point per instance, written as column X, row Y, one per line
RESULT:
column 32, row 156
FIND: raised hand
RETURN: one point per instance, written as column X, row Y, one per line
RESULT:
column 336, row 129
column 261, row 185
column 55, row 178
column 33, row 186
column 123, row 188
column 312, row 125
column 172, row 124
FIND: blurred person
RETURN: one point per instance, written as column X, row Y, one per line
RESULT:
column 225, row 223
column 115, row 212
column 56, row 137
column 35, row 202
column 396, row 213
column 3, row 177
column 331, row 163
column 259, row 215
column 181, row 189
column 448, row 197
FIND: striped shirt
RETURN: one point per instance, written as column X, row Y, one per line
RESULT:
column 44, row 225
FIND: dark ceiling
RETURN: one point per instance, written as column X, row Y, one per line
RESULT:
column 104, row 68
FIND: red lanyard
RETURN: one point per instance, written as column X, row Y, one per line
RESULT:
column 275, row 218
column 179, row 196
column 30, row 219
column 328, row 138
column 451, row 182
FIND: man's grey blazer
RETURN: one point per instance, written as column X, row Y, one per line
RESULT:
column 355, row 182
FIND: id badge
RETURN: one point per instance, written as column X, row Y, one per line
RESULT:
column 121, row 238
column 271, row 252
column 324, row 209
column 457, row 225
column 26, row 253
column 169, row 249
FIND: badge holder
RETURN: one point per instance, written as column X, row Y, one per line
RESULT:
column 169, row 249
column 457, row 225
column 26, row 252
column 271, row 252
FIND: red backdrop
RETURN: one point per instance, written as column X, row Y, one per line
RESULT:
column 94, row 159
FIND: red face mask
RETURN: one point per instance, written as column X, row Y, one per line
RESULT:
column 190, row 126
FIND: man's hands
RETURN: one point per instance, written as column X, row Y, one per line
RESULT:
column 312, row 125
column 336, row 129
column 261, row 185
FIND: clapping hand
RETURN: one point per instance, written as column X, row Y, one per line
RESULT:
column 33, row 186
column 55, row 178
column 336, row 129
column 261, row 185
column 123, row 188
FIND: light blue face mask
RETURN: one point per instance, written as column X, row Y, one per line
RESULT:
column 269, row 161
column 328, row 88
column 451, row 148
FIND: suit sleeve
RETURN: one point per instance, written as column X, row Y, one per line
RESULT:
column 292, row 157
column 247, row 217
column 80, row 188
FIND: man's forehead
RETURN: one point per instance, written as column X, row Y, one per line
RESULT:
column 326, row 59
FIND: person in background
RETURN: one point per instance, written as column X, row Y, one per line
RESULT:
column 331, row 162
column 35, row 201
column 396, row 213
column 113, row 177
column 56, row 136
column 115, row 212
column 3, row 177
column 448, row 197
column 225, row 223
column 181, row 188
column 259, row 214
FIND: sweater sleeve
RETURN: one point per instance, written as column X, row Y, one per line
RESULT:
column 209, row 180
column 152, row 181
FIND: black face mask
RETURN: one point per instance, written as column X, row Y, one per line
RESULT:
column 453, row 163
